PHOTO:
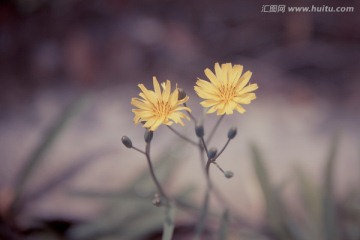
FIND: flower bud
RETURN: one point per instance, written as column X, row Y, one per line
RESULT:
column 232, row 132
column 182, row 94
column 148, row 136
column 228, row 174
column 212, row 153
column 126, row 141
column 199, row 130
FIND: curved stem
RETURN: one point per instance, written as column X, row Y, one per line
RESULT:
column 152, row 172
column 182, row 136
column 215, row 128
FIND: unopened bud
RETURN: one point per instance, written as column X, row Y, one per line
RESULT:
column 126, row 141
column 182, row 94
column 148, row 136
column 212, row 153
column 228, row 174
column 232, row 132
column 199, row 130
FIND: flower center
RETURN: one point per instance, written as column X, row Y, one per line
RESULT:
column 162, row 109
column 227, row 92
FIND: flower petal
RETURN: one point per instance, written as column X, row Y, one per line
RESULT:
column 244, row 79
column 156, row 87
column 249, row 88
column 213, row 79
column 166, row 93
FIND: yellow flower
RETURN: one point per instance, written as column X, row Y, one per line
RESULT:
column 159, row 107
column 227, row 89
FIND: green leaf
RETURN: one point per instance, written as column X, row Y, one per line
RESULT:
column 202, row 219
column 311, row 201
column 65, row 175
column 169, row 222
column 223, row 229
column 276, row 214
column 49, row 139
column 331, row 231
column 126, row 219
column 265, row 185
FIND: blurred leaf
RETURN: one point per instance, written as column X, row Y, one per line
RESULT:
column 311, row 200
column 67, row 174
column 266, row 187
column 223, row 229
column 142, row 186
column 329, row 209
column 295, row 230
column 203, row 214
column 169, row 222
column 50, row 136
column 127, row 217
column 107, row 195
column 277, row 216
column 246, row 234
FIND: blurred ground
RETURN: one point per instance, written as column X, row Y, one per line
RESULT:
column 306, row 65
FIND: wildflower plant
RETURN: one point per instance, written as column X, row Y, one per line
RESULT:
column 225, row 91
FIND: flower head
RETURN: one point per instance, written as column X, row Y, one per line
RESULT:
column 159, row 106
column 227, row 89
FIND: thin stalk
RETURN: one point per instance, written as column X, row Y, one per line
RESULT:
column 204, row 210
column 182, row 136
column 140, row 151
column 218, row 166
column 215, row 128
column 204, row 145
column 190, row 115
column 203, row 214
column 152, row 172
column 222, row 150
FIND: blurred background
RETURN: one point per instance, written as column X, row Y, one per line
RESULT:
column 68, row 69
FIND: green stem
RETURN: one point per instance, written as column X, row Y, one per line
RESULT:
column 218, row 166
column 190, row 115
column 152, row 172
column 204, row 145
column 204, row 210
column 140, row 151
column 222, row 150
column 203, row 214
column 182, row 136
column 215, row 128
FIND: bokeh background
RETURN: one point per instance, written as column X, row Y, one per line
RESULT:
column 63, row 167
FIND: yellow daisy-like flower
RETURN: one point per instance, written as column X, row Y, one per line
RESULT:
column 159, row 106
column 227, row 89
